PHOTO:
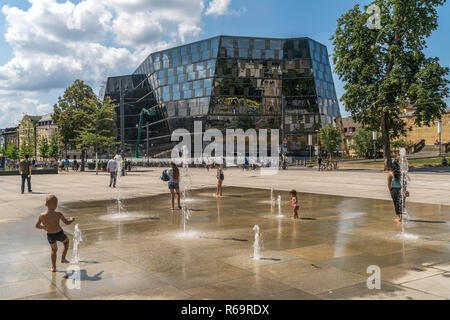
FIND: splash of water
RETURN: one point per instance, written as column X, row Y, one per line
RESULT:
column 119, row 160
column 185, row 188
column 256, row 244
column 405, row 180
column 76, row 241
column 271, row 195
column 279, row 207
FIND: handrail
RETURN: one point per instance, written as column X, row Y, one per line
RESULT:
column 419, row 146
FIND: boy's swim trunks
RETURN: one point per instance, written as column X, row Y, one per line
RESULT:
column 53, row 237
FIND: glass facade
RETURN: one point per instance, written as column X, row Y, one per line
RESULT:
column 231, row 82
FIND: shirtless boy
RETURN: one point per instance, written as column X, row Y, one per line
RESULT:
column 49, row 221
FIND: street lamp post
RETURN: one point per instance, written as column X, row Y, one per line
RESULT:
column 374, row 138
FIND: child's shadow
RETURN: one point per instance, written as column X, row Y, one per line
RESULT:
column 84, row 276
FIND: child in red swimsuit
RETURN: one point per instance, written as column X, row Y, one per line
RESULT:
column 295, row 204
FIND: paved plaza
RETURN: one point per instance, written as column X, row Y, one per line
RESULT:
column 347, row 225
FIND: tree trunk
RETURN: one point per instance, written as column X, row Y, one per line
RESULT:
column 386, row 142
column 83, row 155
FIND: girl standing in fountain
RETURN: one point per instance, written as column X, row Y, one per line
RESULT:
column 220, row 178
column 294, row 202
column 395, row 187
column 174, row 184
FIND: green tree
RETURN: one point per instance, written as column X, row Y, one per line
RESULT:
column 385, row 69
column 12, row 151
column 362, row 143
column 72, row 114
column 26, row 149
column 330, row 138
column 53, row 147
column 401, row 143
column 44, row 148
column 101, row 131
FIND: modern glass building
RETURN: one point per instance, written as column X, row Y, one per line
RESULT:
column 230, row 82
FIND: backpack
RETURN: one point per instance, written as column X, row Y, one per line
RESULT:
column 165, row 176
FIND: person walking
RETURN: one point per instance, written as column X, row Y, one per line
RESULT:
column 174, row 184
column 25, row 173
column 112, row 167
column 319, row 161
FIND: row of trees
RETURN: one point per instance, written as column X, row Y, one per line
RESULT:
column 84, row 121
column 47, row 149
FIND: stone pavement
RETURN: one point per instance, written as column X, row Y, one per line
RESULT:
column 433, row 188
column 144, row 256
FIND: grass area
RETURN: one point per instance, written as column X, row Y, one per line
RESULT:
column 413, row 162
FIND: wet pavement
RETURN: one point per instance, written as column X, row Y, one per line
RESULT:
column 144, row 254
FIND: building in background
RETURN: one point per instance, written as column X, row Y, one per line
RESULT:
column 429, row 134
column 230, row 82
column 28, row 134
column 348, row 130
column 414, row 135
column 46, row 128
column 10, row 136
column 2, row 139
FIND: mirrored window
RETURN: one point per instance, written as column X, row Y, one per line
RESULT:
column 227, row 42
column 201, row 74
column 275, row 44
column 259, row 44
column 243, row 53
column 206, row 55
column 244, row 43
column 269, row 54
column 215, row 43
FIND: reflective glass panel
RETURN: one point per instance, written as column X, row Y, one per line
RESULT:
column 227, row 42
column 259, row 44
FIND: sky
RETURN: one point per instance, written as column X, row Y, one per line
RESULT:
column 47, row 44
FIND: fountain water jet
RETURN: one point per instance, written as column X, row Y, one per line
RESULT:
column 119, row 160
column 256, row 244
column 405, row 180
column 185, row 188
column 76, row 241
column 280, row 215
column 271, row 195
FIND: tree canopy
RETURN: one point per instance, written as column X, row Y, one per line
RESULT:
column 385, row 69
column 330, row 138
column 76, row 114
column 362, row 143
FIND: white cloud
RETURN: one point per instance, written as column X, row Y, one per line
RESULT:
column 13, row 107
column 56, row 42
column 218, row 7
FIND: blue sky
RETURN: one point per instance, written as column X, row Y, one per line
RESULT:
column 39, row 58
